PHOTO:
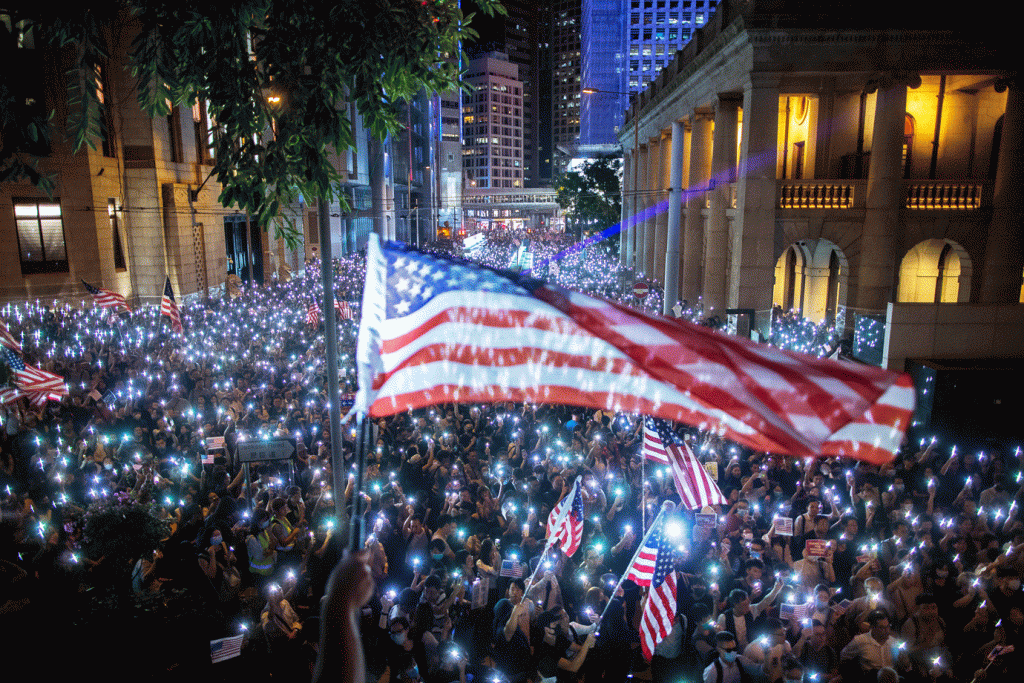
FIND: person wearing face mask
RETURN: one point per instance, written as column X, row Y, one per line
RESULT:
column 218, row 564
column 405, row 656
column 262, row 550
column 728, row 665
column 823, row 610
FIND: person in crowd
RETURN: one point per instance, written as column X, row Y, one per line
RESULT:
column 457, row 498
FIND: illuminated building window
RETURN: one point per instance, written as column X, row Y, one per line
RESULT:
column 40, row 236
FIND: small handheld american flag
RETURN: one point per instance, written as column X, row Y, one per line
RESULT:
column 565, row 523
column 694, row 485
column 105, row 298
column 169, row 307
column 654, row 566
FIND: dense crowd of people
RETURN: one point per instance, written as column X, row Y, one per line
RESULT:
column 817, row 570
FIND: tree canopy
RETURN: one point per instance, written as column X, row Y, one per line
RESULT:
column 276, row 76
column 591, row 197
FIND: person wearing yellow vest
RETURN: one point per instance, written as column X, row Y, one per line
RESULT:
column 284, row 535
column 262, row 547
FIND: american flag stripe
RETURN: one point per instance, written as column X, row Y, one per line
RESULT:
column 694, row 485
column 425, row 345
column 32, row 379
column 642, row 568
column 344, row 309
column 436, row 330
column 659, row 615
column 105, row 298
column 313, row 315
column 10, row 395
column 565, row 522
column 7, row 339
column 169, row 307
column 653, row 448
column 225, row 648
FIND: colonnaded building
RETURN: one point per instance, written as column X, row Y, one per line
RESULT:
column 836, row 157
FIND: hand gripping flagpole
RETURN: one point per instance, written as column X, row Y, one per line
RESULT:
column 551, row 537
column 669, row 507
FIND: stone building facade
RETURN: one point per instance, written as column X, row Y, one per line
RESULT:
column 140, row 207
column 816, row 157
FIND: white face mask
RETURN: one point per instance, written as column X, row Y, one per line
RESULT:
column 1014, row 584
column 399, row 638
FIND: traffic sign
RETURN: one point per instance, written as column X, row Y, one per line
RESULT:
column 265, row 449
column 640, row 290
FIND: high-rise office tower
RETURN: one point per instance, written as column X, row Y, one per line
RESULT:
column 565, row 84
column 625, row 43
column 523, row 35
column 493, row 123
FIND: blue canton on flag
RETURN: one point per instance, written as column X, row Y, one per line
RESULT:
column 415, row 278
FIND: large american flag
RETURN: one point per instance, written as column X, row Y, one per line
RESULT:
column 105, row 298
column 169, row 307
column 437, row 330
column 33, row 380
column 313, row 314
column 694, row 485
column 565, row 523
column 654, row 566
column 7, row 339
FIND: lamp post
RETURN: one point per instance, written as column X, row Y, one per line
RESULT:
column 625, row 243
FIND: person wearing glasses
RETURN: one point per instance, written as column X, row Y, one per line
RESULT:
column 728, row 665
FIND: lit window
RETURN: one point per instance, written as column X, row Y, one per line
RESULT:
column 40, row 236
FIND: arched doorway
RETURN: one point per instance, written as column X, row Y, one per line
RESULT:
column 935, row 271
column 811, row 275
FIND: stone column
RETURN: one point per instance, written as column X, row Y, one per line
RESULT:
column 1001, row 274
column 756, row 197
column 723, row 164
column 653, row 196
column 639, row 226
column 661, row 218
column 700, row 172
column 885, row 199
column 625, row 206
column 675, row 199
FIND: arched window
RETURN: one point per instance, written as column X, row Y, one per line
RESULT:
column 935, row 271
column 810, row 276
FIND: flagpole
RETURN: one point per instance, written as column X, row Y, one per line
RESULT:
column 331, row 361
column 667, row 506
column 643, row 494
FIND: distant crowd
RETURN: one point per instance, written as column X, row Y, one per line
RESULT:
column 816, row 570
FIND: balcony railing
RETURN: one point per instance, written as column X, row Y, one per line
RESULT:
column 823, row 194
column 934, row 195
column 943, row 195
